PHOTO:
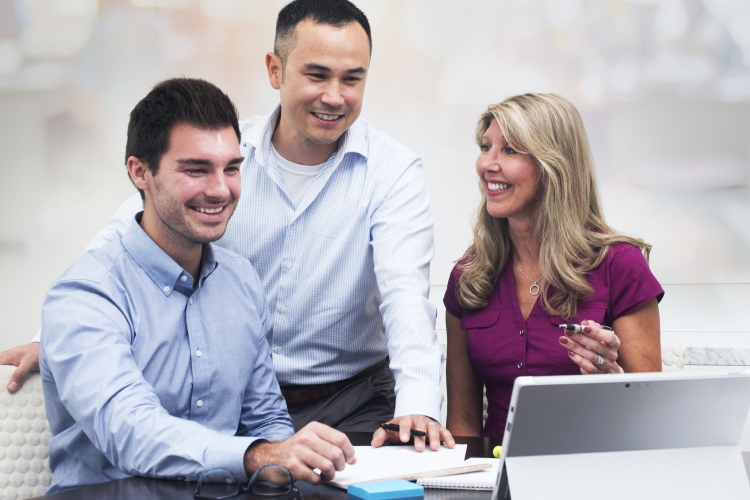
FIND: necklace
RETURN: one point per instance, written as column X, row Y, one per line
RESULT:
column 534, row 288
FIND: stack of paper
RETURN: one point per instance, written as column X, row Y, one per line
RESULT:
column 404, row 462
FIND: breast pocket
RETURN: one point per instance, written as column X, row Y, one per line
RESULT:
column 558, row 353
column 480, row 335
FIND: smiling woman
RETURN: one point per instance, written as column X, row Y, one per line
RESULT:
column 540, row 233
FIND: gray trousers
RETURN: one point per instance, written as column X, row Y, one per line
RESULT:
column 359, row 407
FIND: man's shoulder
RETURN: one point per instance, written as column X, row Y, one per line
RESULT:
column 227, row 257
column 234, row 263
column 249, row 123
column 380, row 145
column 94, row 265
column 238, row 274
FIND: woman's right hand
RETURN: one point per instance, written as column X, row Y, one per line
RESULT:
column 594, row 350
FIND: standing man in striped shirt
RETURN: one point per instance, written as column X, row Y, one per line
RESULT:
column 335, row 218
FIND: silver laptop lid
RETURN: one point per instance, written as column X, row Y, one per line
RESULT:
column 651, row 434
column 589, row 414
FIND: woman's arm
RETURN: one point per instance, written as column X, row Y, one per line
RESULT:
column 640, row 339
column 633, row 344
column 464, row 390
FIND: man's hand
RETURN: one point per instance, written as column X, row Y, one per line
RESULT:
column 435, row 432
column 26, row 358
column 315, row 446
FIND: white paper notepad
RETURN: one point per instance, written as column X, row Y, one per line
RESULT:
column 482, row 480
column 402, row 462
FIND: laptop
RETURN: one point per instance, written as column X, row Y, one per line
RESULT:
column 628, row 436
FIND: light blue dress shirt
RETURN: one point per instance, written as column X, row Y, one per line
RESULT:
column 346, row 271
column 145, row 374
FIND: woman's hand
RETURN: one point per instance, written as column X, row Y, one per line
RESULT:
column 594, row 350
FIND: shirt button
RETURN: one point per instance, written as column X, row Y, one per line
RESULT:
column 520, row 333
column 278, row 350
column 183, row 278
column 520, row 365
column 282, row 309
column 190, row 301
column 167, row 289
column 198, row 353
column 288, row 265
column 199, row 403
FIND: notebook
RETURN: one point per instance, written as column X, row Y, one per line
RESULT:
column 403, row 462
column 483, row 480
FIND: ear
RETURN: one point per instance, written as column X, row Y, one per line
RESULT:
column 138, row 172
column 273, row 65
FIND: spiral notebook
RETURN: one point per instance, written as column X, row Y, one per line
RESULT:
column 482, row 480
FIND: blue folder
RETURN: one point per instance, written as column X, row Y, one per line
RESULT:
column 386, row 490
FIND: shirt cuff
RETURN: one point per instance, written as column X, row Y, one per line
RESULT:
column 38, row 336
column 419, row 400
column 228, row 452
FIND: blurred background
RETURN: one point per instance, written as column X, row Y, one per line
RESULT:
column 663, row 86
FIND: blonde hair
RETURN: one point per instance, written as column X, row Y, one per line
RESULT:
column 569, row 226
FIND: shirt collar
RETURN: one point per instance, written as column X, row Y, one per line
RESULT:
column 160, row 267
column 354, row 139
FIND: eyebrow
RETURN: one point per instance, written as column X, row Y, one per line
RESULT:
column 320, row 67
column 195, row 161
column 207, row 163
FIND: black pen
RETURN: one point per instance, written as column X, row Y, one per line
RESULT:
column 396, row 428
column 576, row 328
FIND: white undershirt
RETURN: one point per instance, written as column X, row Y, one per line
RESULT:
column 297, row 178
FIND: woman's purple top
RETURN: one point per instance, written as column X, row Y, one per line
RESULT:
column 502, row 345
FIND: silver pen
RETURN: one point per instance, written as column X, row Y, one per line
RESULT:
column 576, row 328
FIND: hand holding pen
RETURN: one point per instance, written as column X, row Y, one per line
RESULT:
column 417, row 427
column 593, row 347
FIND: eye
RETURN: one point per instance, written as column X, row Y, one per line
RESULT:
column 232, row 169
column 509, row 150
column 195, row 171
column 352, row 79
column 316, row 76
column 484, row 148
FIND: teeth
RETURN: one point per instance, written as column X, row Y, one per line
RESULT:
column 329, row 118
column 496, row 186
column 209, row 210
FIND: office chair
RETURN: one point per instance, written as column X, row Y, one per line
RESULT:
column 24, row 432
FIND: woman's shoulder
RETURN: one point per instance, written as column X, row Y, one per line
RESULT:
column 460, row 267
column 625, row 254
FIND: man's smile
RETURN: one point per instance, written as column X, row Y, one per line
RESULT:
column 206, row 210
column 327, row 117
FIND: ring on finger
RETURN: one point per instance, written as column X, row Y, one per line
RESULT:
column 599, row 360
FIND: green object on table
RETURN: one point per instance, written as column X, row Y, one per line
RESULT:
column 496, row 452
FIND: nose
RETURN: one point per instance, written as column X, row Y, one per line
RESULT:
column 488, row 162
column 332, row 94
column 216, row 186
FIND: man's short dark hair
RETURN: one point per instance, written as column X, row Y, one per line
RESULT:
column 336, row 13
column 178, row 100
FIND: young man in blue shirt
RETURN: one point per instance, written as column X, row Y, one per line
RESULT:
column 154, row 356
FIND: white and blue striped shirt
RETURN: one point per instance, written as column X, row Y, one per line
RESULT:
column 346, row 272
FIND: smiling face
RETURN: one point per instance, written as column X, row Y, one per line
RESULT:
column 195, row 190
column 321, row 88
column 510, row 179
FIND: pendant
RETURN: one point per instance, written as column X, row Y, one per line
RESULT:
column 532, row 290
